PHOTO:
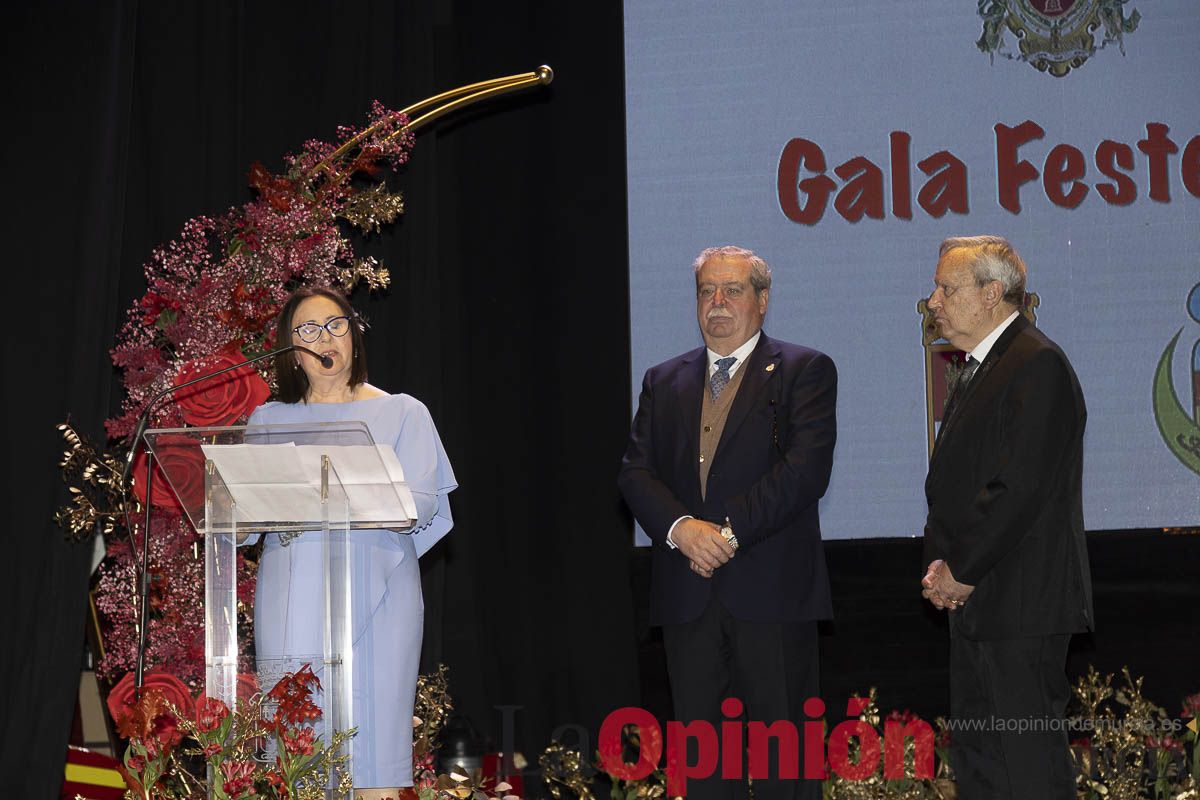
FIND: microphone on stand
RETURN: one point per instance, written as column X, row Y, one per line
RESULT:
column 144, row 418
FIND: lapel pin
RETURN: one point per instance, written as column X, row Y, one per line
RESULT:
column 770, row 367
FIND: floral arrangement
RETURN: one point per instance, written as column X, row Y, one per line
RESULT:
column 211, row 296
column 185, row 746
column 224, row 744
column 566, row 775
column 1133, row 749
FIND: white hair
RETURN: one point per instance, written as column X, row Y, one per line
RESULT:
column 993, row 259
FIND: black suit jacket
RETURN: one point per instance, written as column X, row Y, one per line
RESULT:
column 1005, row 493
column 770, row 468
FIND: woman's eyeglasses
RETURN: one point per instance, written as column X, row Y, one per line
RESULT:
column 309, row 332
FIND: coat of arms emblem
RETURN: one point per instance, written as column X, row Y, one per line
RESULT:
column 1054, row 36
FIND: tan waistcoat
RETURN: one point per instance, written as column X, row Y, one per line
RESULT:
column 712, row 423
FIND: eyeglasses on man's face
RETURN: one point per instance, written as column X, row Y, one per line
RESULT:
column 309, row 332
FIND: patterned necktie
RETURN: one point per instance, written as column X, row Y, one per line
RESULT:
column 720, row 378
column 964, row 377
column 968, row 371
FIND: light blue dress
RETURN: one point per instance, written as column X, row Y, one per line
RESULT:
column 387, row 605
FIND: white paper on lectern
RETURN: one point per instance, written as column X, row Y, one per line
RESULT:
column 282, row 482
column 266, row 481
column 358, row 466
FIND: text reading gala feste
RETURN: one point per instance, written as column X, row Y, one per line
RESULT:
column 1122, row 171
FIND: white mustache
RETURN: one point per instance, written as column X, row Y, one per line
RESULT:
column 718, row 313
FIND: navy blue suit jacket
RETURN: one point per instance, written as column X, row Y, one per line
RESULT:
column 770, row 468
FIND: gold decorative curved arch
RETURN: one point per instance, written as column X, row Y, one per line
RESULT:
column 445, row 103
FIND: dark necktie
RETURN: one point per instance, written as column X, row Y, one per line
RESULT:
column 960, row 386
column 720, row 378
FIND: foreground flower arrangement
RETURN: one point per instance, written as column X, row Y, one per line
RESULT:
column 1132, row 748
column 182, row 746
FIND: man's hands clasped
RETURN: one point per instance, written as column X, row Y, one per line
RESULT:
column 939, row 587
column 703, row 545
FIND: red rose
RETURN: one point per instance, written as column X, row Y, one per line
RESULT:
column 179, row 459
column 224, row 399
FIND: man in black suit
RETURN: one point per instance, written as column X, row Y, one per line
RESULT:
column 731, row 449
column 1004, row 537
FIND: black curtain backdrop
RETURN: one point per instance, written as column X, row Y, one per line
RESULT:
column 507, row 314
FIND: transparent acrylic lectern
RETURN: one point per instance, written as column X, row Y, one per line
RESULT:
column 313, row 480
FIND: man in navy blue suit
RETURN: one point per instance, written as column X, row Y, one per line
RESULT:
column 731, row 449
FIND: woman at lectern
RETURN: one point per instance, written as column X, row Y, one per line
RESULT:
column 388, row 609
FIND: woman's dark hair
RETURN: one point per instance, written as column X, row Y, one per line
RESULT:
column 293, row 383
